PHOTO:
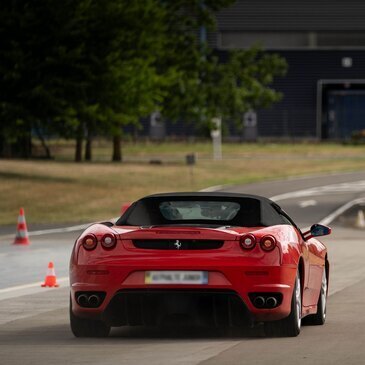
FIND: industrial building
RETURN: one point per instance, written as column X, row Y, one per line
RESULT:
column 324, row 45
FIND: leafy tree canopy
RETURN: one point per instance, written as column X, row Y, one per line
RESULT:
column 96, row 65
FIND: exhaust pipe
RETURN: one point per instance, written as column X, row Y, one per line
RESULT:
column 83, row 300
column 259, row 302
column 94, row 300
column 271, row 302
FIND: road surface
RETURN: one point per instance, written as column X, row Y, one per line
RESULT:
column 34, row 321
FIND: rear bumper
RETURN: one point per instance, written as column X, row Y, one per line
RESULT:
column 151, row 307
column 237, row 282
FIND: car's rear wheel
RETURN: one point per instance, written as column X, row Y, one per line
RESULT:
column 319, row 318
column 289, row 326
column 83, row 327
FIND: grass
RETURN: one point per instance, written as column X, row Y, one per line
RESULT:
column 64, row 150
column 64, row 192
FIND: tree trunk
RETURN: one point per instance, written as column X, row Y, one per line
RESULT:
column 5, row 147
column 47, row 151
column 117, row 148
column 2, row 143
column 23, row 146
column 78, row 151
column 88, row 145
column 79, row 140
column 6, row 150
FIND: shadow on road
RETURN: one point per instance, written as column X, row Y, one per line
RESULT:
column 186, row 333
column 61, row 334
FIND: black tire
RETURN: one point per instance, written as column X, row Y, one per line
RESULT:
column 83, row 327
column 289, row 326
column 319, row 318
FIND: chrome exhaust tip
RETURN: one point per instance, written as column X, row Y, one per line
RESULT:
column 94, row 300
column 83, row 300
column 271, row 302
column 259, row 302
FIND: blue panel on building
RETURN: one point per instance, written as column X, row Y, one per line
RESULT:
column 296, row 114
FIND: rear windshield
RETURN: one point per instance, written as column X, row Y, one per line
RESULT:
column 199, row 210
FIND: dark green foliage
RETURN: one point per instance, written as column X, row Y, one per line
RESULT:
column 242, row 83
column 77, row 68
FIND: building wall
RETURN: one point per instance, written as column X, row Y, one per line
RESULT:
column 296, row 114
column 314, row 36
column 293, row 15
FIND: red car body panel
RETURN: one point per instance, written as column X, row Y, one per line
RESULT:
column 229, row 267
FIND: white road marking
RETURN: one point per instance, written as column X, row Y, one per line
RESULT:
column 331, row 217
column 212, row 188
column 59, row 230
column 307, row 203
column 66, row 229
column 51, row 231
column 351, row 187
column 32, row 288
column 32, row 285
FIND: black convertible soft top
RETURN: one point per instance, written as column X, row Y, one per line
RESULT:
column 252, row 210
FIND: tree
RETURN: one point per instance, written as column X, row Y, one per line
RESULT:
column 123, row 54
column 145, row 75
column 76, row 66
column 36, row 67
column 80, row 68
column 208, row 86
column 241, row 84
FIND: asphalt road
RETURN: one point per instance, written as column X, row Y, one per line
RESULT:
column 310, row 199
column 34, row 321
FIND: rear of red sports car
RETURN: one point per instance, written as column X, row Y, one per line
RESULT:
column 177, row 258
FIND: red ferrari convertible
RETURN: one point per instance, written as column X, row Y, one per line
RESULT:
column 211, row 259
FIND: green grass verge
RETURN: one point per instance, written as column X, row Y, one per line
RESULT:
column 62, row 191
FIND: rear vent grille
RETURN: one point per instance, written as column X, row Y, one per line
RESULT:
column 178, row 244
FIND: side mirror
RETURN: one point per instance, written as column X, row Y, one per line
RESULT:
column 317, row 230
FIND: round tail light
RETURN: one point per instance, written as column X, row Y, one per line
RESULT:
column 108, row 241
column 268, row 243
column 248, row 241
column 89, row 242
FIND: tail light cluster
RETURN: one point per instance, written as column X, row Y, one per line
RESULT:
column 249, row 241
column 108, row 241
column 268, row 243
column 89, row 242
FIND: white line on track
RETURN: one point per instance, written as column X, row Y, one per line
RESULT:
column 354, row 186
column 52, row 231
column 32, row 288
column 350, row 187
column 308, row 203
column 59, row 230
column 65, row 229
column 331, row 217
column 32, row 285
column 212, row 188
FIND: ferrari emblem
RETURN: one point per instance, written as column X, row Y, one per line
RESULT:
column 177, row 244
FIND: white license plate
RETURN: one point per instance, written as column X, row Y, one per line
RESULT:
column 176, row 277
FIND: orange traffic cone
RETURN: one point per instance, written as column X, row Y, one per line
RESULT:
column 50, row 280
column 21, row 237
